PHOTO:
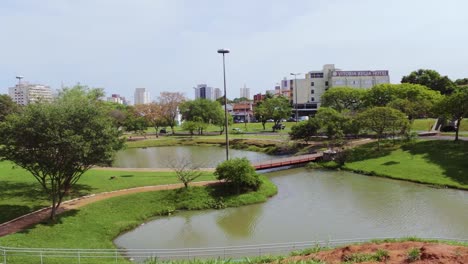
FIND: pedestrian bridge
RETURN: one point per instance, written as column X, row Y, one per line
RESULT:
column 281, row 162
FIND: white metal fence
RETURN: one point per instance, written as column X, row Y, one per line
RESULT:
column 12, row 255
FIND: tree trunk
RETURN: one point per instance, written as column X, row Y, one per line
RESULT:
column 458, row 128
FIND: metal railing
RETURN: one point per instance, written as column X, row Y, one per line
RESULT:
column 11, row 255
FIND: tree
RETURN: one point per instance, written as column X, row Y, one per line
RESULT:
column 343, row 98
column 153, row 113
column 186, row 171
column 461, row 82
column 58, row 142
column 239, row 172
column 331, row 122
column 275, row 108
column 380, row 95
column 202, row 111
column 170, row 103
column 383, row 121
column 431, row 79
column 7, row 106
column 455, row 106
column 305, row 130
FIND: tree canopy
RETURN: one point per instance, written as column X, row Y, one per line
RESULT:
column 170, row 103
column 455, row 106
column 343, row 98
column 202, row 111
column 57, row 142
column 7, row 106
column 431, row 79
column 275, row 108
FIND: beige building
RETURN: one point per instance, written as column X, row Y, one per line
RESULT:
column 141, row 96
column 315, row 83
column 25, row 93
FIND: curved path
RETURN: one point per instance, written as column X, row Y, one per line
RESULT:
column 41, row 215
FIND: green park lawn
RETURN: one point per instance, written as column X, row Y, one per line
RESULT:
column 427, row 123
column 20, row 193
column 97, row 224
column 442, row 163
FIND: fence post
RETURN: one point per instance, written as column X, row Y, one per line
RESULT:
column 116, row 256
column 4, row 256
column 79, row 259
column 42, row 262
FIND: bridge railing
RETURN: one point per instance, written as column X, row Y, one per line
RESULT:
column 12, row 255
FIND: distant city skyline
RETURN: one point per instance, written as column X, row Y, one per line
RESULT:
column 120, row 45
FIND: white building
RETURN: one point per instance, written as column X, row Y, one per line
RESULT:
column 116, row 98
column 314, row 84
column 245, row 92
column 25, row 93
column 203, row 91
column 141, row 96
column 217, row 93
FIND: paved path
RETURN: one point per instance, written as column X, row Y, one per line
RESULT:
column 42, row 215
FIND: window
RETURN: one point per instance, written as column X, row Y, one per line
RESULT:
column 312, row 91
column 312, row 99
column 326, row 83
column 312, row 84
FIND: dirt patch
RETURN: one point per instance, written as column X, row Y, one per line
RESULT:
column 396, row 252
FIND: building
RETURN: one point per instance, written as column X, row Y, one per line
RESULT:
column 116, row 98
column 203, row 91
column 245, row 92
column 315, row 83
column 217, row 93
column 141, row 96
column 25, row 93
column 243, row 112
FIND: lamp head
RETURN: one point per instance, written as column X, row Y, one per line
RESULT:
column 223, row 51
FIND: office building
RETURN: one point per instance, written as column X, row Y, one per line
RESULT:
column 116, row 98
column 25, row 93
column 217, row 93
column 141, row 96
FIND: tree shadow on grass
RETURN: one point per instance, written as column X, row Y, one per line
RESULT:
column 389, row 163
column 452, row 157
column 370, row 151
column 29, row 197
column 47, row 222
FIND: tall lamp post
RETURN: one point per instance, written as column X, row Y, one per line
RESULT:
column 295, row 93
column 224, row 51
column 19, row 77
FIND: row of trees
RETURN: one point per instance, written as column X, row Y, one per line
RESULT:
column 386, row 109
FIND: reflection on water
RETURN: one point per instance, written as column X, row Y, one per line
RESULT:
column 315, row 205
column 162, row 157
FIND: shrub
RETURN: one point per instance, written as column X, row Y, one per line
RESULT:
column 238, row 172
column 413, row 254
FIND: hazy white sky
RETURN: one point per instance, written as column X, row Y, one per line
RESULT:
column 171, row 45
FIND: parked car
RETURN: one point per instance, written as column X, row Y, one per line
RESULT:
column 163, row 131
column 279, row 126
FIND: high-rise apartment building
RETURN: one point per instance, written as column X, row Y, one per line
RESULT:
column 203, row 91
column 25, row 93
column 217, row 93
column 245, row 92
column 116, row 98
column 141, row 96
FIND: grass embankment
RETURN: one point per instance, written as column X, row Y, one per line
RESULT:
column 96, row 225
column 441, row 163
column 20, row 193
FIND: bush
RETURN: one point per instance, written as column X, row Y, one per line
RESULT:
column 414, row 254
column 238, row 172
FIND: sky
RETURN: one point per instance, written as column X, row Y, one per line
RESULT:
column 171, row 45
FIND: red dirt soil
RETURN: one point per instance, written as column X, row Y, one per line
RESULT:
column 398, row 253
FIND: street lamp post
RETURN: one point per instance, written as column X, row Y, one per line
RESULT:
column 224, row 51
column 295, row 93
column 19, row 79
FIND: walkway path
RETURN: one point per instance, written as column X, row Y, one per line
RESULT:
column 42, row 215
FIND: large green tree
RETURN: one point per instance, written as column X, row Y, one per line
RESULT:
column 58, row 142
column 332, row 122
column 383, row 121
column 305, row 130
column 7, row 106
column 202, row 111
column 343, row 98
column 275, row 108
column 455, row 107
column 431, row 79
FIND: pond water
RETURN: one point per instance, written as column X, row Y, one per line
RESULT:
column 314, row 205
column 162, row 157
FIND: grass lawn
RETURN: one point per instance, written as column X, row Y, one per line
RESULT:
column 96, row 225
column 20, row 193
column 427, row 123
column 443, row 163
